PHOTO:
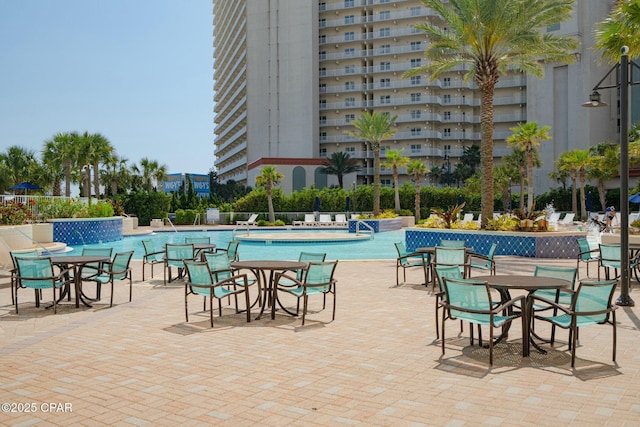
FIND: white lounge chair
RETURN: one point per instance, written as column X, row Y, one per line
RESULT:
column 568, row 219
column 468, row 217
column 325, row 220
column 310, row 220
column 251, row 221
column 340, row 220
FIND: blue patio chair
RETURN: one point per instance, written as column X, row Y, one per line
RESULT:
column 317, row 279
column 586, row 255
column 37, row 273
column 411, row 260
column 446, row 256
column 175, row 255
column 200, row 282
column 231, row 250
column 28, row 253
column 453, row 243
column 470, row 300
column 590, row 305
column 484, row 262
column 198, row 239
column 152, row 255
column 610, row 258
column 89, row 270
column 117, row 269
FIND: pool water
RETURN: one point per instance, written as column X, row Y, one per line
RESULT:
column 380, row 247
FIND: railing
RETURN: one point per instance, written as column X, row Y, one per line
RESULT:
column 167, row 219
column 367, row 229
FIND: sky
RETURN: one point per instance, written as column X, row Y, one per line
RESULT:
column 137, row 71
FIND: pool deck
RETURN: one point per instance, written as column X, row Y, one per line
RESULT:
column 378, row 363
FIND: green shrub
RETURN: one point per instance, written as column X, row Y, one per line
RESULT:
column 15, row 213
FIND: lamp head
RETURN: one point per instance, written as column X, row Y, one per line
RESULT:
column 594, row 101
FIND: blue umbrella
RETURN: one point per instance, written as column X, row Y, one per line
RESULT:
column 348, row 204
column 635, row 198
column 25, row 186
column 316, row 206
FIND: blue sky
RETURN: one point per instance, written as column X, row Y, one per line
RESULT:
column 137, row 71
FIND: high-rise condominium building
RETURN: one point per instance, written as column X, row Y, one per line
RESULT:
column 290, row 76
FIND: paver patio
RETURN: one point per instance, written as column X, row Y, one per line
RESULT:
column 378, row 363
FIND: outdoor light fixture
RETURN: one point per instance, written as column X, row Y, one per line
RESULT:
column 624, row 78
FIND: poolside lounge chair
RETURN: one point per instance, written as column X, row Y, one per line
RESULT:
column 251, row 221
column 325, row 220
column 310, row 220
column 568, row 219
column 340, row 220
column 468, row 217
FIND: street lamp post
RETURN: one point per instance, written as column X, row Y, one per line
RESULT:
column 623, row 83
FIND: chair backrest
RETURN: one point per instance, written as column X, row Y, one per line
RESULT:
column 218, row 263
column 610, row 252
column 400, row 248
column 464, row 295
column 568, row 218
column 320, row 273
column 151, row 248
column 593, row 296
column 97, row 251
column 199, row 239
column 325, row 217
column 176, row 253
column 555, row 272
column 583, row 246
column 449, row 272
column 30, row 253
column 198, row 272
column 453, row 243
column 252, row 218
column 492, row 251
column 232, row 250
column 312, row 256
column 468, row 217
column 341, row 218
column 450, row 256
column 120, row 265
column 35, row 272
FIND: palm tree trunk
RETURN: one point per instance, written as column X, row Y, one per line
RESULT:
column 602, row 195
column 67, row 179
column 96, row 179
column 397, row 191
column 417, row 202
column 486, row 148
column 376, row 179
column 272, row 215
column 574, row 193
column 529, row 181
column 583, row 207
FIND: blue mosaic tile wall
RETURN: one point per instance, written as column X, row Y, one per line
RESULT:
column 532, row 245
column 378, row 226
column 87, row 231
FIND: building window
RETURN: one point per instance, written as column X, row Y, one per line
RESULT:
column 322, row 22
column 322, row 6
column 350, row 150
column 348, row 118
column 323, row 120
column 416, row 114
column 349, row 19
column 415, row 30
column 323, row 136
column 416, row 131
column 416, row 46
column 323, row 39
column 416, row 80
column 323, row 88
column 385, row 66
column 385, row 99
column 446, row 99
column 323, row 55
column 416, row 62
column 348, row 3
column 323, row 152
column 554, row 27
column 385, row 182
column 383, row 1
column 349, row 51
column 385, row 48
column 385, row 82
column 385, row 32
column 416, row 97
column 349, row 35
column 349, row 85
column 446, row 82
column 447, row 115
column 323, row 72
column 350, row 102
column 385, row 14
column 415, row 11
column 416, row 148
column 447, row 132
column 323, row 103
column 350, row 69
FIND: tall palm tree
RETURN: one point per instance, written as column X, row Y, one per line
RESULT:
column 526, row 137
column 417, row 169
column 493, row 37
column 268, row 178
column 621, row 28
column 102, row 149
column 151, row 172
column 339, row 164
column 577, row 161
column 394, row 161
column 21, row 163
column 62, row 148
column 116, row 173
column 604, row 165
column 374, row 128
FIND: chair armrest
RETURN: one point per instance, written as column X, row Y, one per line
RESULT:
column 221, row 250
column 553, row 303
column 288, row 277
column 507, row 304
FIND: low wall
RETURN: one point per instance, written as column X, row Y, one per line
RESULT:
column 378, row 225
column 532, row 245
column 84, row 231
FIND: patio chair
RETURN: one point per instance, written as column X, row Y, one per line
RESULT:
column 586, row 255
column 29, row 253
column 325, row 220
column 37, row 273
column 590, row 305
column 610, row 258
column 317, row 279
column 200, row 282
column 468, row 217
column 340, row 220
column 567, row 219
column 450, row 256
column 92, row 269
column 110, row 272
column 303, row 257
column 448, row 243
column 251, row 221
column 470, row 300
column 231, row 250
column 451, row 272
column 175, row 255
column 198, row 239
column 152, row 255
column 310, row 220
column 488, row 263
column 411, row 260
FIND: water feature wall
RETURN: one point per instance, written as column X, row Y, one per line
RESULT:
column 86, row 231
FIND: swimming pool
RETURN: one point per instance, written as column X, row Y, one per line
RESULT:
column 381, row 247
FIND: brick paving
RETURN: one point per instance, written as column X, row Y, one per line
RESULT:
column 378, row 363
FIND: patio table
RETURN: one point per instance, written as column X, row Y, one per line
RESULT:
column 77, row 261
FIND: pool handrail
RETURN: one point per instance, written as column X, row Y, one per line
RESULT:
column 367, row 229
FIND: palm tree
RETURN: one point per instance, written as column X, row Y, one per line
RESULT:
column 268, row 178
column 577, row 161
column 339, row 164
column 63, row 149
column 603, row 166
column 493, row 37
column 150, row 171
column 527, row 137
column 418, row 170
column 621, row 28
column 374, row 128
column 116, row 173
column 504, row 175
column 102, row 149
column 395, row 160
column 21, row 163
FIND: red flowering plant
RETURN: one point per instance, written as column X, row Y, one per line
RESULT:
column 15, row 213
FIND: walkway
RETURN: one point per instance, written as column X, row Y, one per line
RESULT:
column 139, row 363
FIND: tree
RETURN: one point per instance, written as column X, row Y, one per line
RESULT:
column 621, row 28
column 493, row 37
column 339, row 164
column 268, row 178
column 21, row 164
column 418, row 170
column 527, row 137
column 150, row 172
column 374, row 128
column 116, row 174
column 577, row 161
column 504, row 175
column 604, row 165
column 395, row 160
